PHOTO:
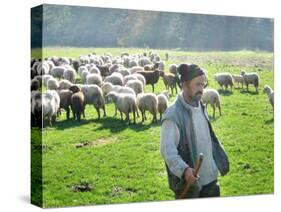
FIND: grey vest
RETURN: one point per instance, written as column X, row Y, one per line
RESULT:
column 187, row 143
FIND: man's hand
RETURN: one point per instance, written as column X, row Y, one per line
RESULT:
column 189, row 175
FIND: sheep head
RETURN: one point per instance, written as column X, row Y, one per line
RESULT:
column 74, row 89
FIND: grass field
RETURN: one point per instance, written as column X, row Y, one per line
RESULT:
column 122, row 163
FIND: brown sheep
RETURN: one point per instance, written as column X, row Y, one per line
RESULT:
column 151, row 77
column 77, row 102
column 169, row 80
column 65, row 101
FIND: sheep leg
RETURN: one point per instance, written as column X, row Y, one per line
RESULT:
column 176, row 88
column 121, row 114
column 78, row 116
column 214, row 111
column 98, row 111
column 127, row 117
column 247, row 86
column 134, row 115
column 67, row 113
column 219, row 109
column 115, row 114
column 142, row 116
column 153, row 88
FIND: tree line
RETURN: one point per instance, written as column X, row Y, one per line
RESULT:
column 57, row 25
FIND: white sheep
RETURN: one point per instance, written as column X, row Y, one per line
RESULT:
column 224, row 79
column 162, row 104
column 70, row 75
column 212, row 97
column 94, row 96
column 251, row 78
column 270, row 94
column 136, row 69
column 94, row 79
column 115, row 79
column 125, row 103
column 64, row 84
column 140, row 77
column 148, row 101
column 136, row 85
column 238, row 79
column 81, row 69
column 58, row 71
column 94, row 70
column 53, row 84
column 50, row 105
column 45, row 79
column 107, row 87
column 84, row 75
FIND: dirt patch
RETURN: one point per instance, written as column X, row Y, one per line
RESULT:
column 85, row 187
column 98, row 142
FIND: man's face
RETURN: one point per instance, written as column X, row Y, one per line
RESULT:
column 194, row 89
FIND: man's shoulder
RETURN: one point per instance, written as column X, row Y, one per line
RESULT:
column 171, row 112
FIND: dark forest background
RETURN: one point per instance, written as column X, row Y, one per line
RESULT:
column 103, row 27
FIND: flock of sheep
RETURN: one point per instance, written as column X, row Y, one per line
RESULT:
column 118, row 79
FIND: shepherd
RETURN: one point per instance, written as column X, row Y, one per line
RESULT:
column 186, row 133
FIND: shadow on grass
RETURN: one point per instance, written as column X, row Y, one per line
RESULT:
column 71, row 123
column 117, row 125
column 243, row 91
column 270, row 121
column 225, row 92
column 114, row 124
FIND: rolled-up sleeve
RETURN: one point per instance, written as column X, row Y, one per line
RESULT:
column 169, row 139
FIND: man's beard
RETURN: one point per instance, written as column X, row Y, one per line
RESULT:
column 197, row 96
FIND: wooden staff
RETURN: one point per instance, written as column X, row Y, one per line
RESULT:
column 188, row 183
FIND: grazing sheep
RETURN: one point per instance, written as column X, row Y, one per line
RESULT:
column 140, row 77
column 115, row 79
column 104, row 70
column 94, row 96
column 84, row 75
column 251, row 78
column 136, row 85
column 173, row 69
column 35, row 84
column 224, row 79
column 70, row 75
column 46, row 78
column 39, row 78
column 129, row 77
column 58, row 71
column 50, row 105
column 169, row 81
column 65, row 100
column 136, row 69
column 161, row 65
column 107, row 87
column 125, row 103
column 64, row 84
column 52, row 84
column 133, row 63
column 81, row 69
column 94, row 79
column 238, row 79
column 76, row 64
column 162, row 104
column 77, row 102
column 123, row 71
column 151, row 77
column 94, row 70
column 212, row 97
column 270, row 94
column 148, row 101
column 36, row 108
